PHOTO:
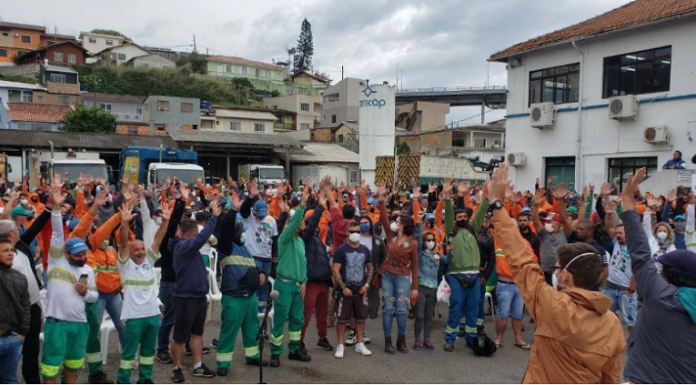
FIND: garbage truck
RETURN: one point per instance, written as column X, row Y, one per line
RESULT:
column 151, row 166
column 264, row 174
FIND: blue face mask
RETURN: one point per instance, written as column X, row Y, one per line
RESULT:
column 364, row 227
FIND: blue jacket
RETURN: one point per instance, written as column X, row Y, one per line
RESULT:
column 240, row 276
column 191, row 274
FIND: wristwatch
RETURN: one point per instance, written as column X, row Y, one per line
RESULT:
column 497, row 205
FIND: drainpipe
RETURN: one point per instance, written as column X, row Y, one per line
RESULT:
column 51, row 143
column 580, row 161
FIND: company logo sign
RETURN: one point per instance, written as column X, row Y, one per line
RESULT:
column 379, row 103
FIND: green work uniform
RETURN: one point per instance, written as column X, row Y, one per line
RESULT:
column 143, row 332
column 289, row 306
column 94, row 359
column 238, row 312
column 64, row 344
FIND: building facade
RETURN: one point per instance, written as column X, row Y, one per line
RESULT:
column 341, row 102
column 164, row 113
column 18, row 92
column 64, row 53
column 238, row 120
column 308, row 108
column 34, row 116
column 422, row 116
column 645, row 60
column 17, row 39
column 55, row 38
column 151, row 60
column 484, row 142
column 307, row 79
column 120, row 54
column 96, row 42
column 125, row 108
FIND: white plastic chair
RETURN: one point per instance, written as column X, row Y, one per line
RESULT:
column 107, row 326
column 212, row 258
column 489, row 299
column 43, row 312
column 271, row 312
column 214, row 294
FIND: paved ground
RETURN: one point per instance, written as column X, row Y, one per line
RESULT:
column 506, row 366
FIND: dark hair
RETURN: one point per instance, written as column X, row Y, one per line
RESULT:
column 676, row 278
column 187, row 225
column 408, row 225
column 354, row 223
column 201, row 216
column 585, row 270
column 348, row 211
column 587, row 223
column 5, row 240
column 426, row 235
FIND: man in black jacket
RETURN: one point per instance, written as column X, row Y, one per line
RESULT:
column 14, row 319
column 487, row 250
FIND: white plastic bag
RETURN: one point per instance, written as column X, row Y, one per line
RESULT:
column 444, row 291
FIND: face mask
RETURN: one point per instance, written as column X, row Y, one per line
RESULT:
column 364, row 227
column 34, row 199
column 393, row 227
column 104, row 245
column 662, row 235
column 548, row 227
column 242, row 239
column 430, row 224
column 354, row 237
column 292, row 212
column 430, row 245
column 77, row 262
column 24, row 202
column 462, row 224
column 680, row 226
column 158, row 221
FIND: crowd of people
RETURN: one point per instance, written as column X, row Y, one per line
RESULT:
column 584, row 265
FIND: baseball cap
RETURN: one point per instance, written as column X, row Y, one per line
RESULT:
column 72, row 224
column 553, row 217
column 429, row 217
column 157, row 212
column 680, row 218
column 19, row 210
column 526, row 209
column 572, row 209
column 75, row 246
column 683, row 261
column 261, row 208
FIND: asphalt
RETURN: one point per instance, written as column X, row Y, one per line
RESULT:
column 507, row 365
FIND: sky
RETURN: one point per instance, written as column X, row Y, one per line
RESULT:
column 436, row 43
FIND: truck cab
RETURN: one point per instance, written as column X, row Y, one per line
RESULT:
column 264, row 174
column 159, row 172
column 73, row 167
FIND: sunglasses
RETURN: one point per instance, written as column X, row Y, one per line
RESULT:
column 354, row 232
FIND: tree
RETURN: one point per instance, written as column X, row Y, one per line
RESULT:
column 110, row 32
column 305, row 48
column 196, row 60
column 88, row 119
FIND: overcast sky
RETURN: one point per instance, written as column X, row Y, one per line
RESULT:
column 437, row 43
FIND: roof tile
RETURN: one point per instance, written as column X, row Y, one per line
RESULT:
column 244, row 62
column 34, row 112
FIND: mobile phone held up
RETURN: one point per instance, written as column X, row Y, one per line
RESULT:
column 83, row 279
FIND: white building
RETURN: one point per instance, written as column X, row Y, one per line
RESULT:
column 96, row 42
column 633, row 51
column 121, row 54
column 342, row 102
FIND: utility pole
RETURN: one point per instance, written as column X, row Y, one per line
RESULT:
column 397, row 76
column 194, row 43
column 402, row 80
column 341, row 72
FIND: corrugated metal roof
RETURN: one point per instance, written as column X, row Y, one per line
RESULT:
column 233, row 138
column 314, row 152
column 244, row 62
column 245, row 114
column 21, row 86
column 55, row 68
column 75, row 140
column 7, row 24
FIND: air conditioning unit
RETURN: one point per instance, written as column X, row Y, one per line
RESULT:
column 623, row 107
column 542, row 115
column 126, row 116
column 656, row 135
column 516, row 159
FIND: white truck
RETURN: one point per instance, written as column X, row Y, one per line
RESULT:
column 71, row 163
column 159, row 172
column 265, row 174
column 345, row 174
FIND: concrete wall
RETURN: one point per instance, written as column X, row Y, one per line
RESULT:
column 173, row 118
column 321, row 135
column 153, row 61
column 603, row 138
column 123, row 111
column 247, row 125
column 347, row 108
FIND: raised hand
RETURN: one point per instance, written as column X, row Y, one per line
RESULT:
column 100, row 199
column 166, row 213
column 185, row 191
column 538, row 197
column 127, row 212
column 322, row 198
column 672, row 195
column 629, row 190
column 586, row 192
column 447, row 188
column 215, row 208
column 500, row 183
column 126, row 192
column 253, row 190
column 57, row 195
column 560, row 192
column 432, row 188
column 382, row 191
column 605, row 189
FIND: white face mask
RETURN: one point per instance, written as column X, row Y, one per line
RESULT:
column 354, row 237
column 554, row 276
column 393, row 227
column 430, row 245
column 24, row 202
column 549, row 227
column 662, row 235
column 158, row 221
column 292, row 212
column 554, row 281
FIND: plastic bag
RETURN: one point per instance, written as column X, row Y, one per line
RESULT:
column 444, row 291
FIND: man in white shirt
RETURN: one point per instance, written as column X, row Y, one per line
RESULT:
column 70, row 285
column 140, row 310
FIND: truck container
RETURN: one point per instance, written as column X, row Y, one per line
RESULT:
column 152, row 165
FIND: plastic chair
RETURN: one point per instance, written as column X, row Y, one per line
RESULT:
column 213, row 258
column 43, row 312
column 271, row 312
column 214, row 294
column 107, row 326
column 489, row 298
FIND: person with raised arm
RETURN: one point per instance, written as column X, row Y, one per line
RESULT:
column 577, row 340
column 140, row 312
column 663, row 343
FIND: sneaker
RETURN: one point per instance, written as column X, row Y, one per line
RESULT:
column 164, row 357
column 275, row 360
column 300, row 355
column 222, row 372
column 428, row 345
column 178, row 375
column 339, row 351
column 203, row 371
column 351, row 340
column 100, row 378
column 449, row 347
column 366, row 340
column 417, row 345
column 361, row 349
column 324, row 344
column 214, row 344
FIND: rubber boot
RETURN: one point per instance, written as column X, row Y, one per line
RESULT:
column 401, row 344
column 388, row 347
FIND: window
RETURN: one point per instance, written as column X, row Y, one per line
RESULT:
column 304, row 106
column 3, row 52
column 57, row 56
column 235, row 126
column 5, row 34
column 304, row 126
column 333, row 118
column 558, row 85
column 34, row 126
column 186, row 107
column 138, row 110
column 109, row 42
column 93, row 40
column 458, row 142
column 620, row 168
column 496, row 142
column 19, row 96
column 51, row 42
column 58, row 78
column 480, row 143
column 160, row 126
column 332, row 98
column 133, row 130
column 122, row 56
column 259, row 127
column 64, row 100
column 72, row 58
column 162, row 105
column 353, row 177
column 229, row 68
column 244, row 70
column 637, row 73
column 340, row 138
column 26, row 39
column 105, row 107
column 221, row 68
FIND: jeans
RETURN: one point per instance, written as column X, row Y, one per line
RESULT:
column 264, row 290
column 10, row 354
column 112, row 304
column 396, row 291
column 628, row 304
column 463, row 302
column 510, row 301
column 165, row 296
